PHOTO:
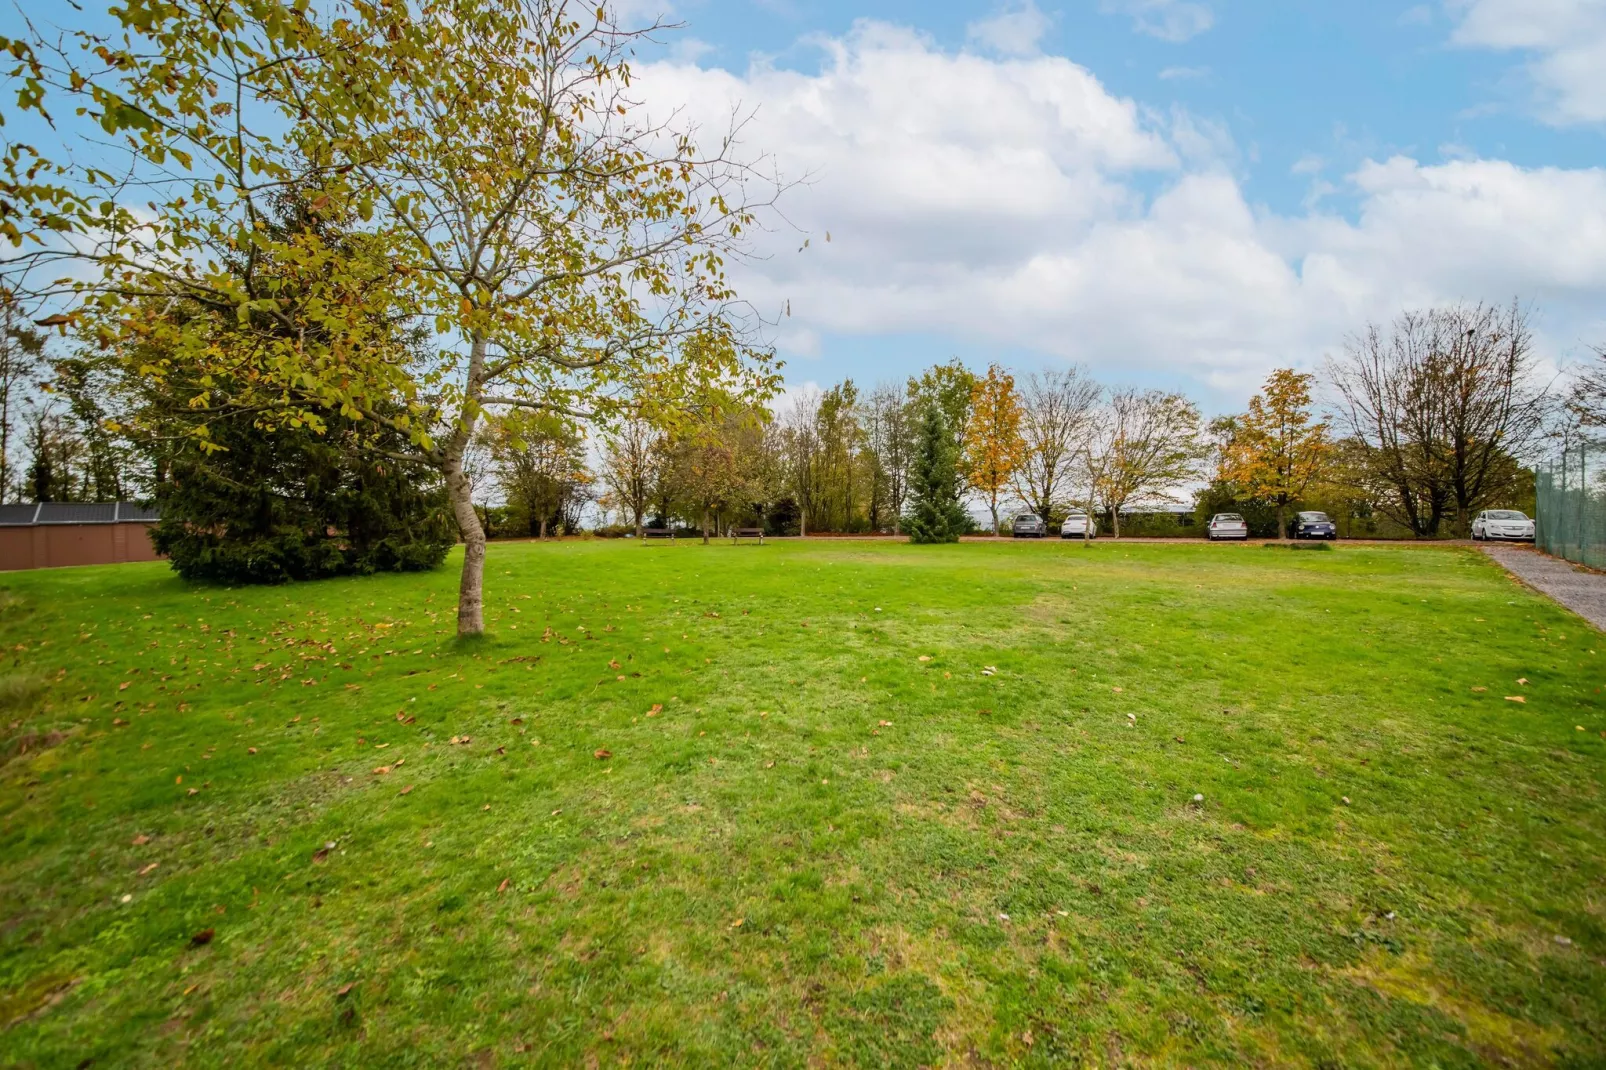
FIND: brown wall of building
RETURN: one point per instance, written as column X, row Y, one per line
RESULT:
column 58, row 545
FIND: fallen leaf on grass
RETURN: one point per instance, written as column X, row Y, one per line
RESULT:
column 345, row 989
column 1523, row 680
column 657, row 708
column 381, row 770
column 323, row 852
column 141, row 840
column 506, row 881
column 405, row 790
column 1117, row 690
column 613, row 663
column 148, row 868
column 250, row 750
column 124, row 685
column 515, row 720
column 886, row 724
column 737, row 924
column 923, row 657
column 602, row 753
column 202, row 937
column 1516, row 698
column 1480, row 689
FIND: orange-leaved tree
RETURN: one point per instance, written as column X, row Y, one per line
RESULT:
column 1278, row 448
column 994, row 448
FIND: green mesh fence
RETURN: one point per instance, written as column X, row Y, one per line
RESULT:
column 1570, row 510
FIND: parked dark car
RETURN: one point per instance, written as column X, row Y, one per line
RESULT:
column 1314, row 526
column 1028, row 526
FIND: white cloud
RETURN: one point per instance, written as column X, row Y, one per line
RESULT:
column 1566, row 44
column 1169, row 20
column 1014, row 32
column 1171, row 74
column 1001, row 202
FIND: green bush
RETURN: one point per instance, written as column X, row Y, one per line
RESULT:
column 295, row 505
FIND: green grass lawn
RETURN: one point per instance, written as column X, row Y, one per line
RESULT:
column 810, row 803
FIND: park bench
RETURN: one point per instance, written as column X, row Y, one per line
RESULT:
column 649, row 534
column 738, row 534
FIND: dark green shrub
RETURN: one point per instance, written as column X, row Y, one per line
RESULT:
column 295, row 505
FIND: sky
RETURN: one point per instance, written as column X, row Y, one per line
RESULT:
column 1174, row 193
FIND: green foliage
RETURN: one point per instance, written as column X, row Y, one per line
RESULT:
column 297, row 506
column 927, row 892
column 934, row 513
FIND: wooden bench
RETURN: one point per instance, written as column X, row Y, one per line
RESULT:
column 738, row 534
column 649, row 534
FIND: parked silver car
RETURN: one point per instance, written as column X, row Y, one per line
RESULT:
column 1227, row 526
column 1502, row 524
column 1077, row 526
column 1028, row 526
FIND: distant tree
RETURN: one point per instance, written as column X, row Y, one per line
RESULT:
column 1058, row 417
column 539, row 460
column 934, row 511
column 949, row 387
column 889, row 425
column 802, row 446
column 1149, row 445
column 994, row 448
column 1278, row 449
column 1445, row 407
column 628, row 462
column 21, row 350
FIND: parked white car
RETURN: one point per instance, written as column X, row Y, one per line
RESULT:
column 1502, row 524
column 1076, row 526
column 1227, row 526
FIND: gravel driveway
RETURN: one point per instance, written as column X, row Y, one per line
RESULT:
column 1578, row 589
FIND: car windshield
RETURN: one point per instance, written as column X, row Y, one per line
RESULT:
column 1506, row 514
column 1228, row 516
column 1314, row 518
column 1026, row 518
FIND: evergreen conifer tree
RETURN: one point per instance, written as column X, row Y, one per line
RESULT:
column 934, row 511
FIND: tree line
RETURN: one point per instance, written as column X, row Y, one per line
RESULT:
column 1412, row 429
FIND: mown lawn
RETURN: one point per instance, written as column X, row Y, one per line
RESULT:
column 766, row 806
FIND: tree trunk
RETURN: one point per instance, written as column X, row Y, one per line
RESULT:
column 471, row 588
column 994, row 503
column 639, row 525
column 542, row 533
column 1115, row 521
column 1282, row 526
column 803, row 523
column 705, row 527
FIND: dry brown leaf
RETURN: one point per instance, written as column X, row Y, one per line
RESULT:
column 602, row 753
column 925, row 657
column 1480, row 689
column 657, row 708
column 506, row 881
column 141, row 840
column 1523, row 680
column 147, row 869
column 405, row 790
column 202, row 937
column 886, row 724
column 1516, row 698
column 124, row 685
column 381, row 770
column 343, row 990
